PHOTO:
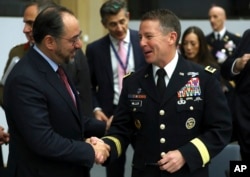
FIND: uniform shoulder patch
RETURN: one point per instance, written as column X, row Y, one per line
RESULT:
column 210, row 69
column 128, row 74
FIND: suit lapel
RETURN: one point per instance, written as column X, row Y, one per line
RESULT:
column 106, row 57
column 55, row 82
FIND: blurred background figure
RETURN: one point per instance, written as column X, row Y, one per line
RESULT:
column 108, row 66
column 4, row 138
column 237, row 67
column 194, row 47
column 222, row 43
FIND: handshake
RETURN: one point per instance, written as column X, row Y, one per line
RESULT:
column 4, row 136
column 101, row 149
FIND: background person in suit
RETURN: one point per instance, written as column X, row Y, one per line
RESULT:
column 237, row 68
column 44, row 114
column 180, row 130
column 104, row 62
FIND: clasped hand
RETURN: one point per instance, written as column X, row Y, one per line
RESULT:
column 4, row 137
column 101, row 149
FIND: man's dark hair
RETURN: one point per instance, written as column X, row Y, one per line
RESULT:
column 112, row 7
column 49, row 22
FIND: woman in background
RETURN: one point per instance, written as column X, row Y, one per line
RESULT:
column 194, row 47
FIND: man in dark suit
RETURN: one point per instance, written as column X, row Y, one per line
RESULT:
column 44, row 114
column 179, row 130
column 237, row 68
column 104, row 62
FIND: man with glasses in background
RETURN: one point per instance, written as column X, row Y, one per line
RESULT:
column 110, row 58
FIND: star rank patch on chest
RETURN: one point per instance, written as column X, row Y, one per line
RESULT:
column 210, row 69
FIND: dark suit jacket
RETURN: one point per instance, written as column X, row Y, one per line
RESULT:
column 216, row 45
column 193, row 106
column 47, row 131
column 241, row 111
column 99, row 59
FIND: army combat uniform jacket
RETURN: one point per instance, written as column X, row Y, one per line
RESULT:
column 192, row 116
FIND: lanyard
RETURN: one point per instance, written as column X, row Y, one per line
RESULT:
column 124, row 67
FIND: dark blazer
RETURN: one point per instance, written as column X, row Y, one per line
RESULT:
column 171, row 121
column 241, row 111
column 47, row 130
column 99, row 59
column 216, row 45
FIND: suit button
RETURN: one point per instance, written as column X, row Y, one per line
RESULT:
column 162, row 140
column 162, row 126
column 191, row 108
column 162, row 112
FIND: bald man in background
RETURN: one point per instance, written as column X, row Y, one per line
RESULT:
column 222, row 45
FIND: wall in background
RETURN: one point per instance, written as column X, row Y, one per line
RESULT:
column 191, row 9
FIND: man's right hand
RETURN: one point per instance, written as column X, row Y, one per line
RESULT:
column 241, row 63
column 99, row 115
column 4, row 137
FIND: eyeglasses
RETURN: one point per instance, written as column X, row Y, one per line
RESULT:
column 74, row 39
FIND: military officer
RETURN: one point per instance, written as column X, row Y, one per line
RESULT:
column 180, row 130
column 221, row 42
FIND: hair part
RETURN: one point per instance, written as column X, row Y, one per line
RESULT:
column 111, row 7
column 49, row 22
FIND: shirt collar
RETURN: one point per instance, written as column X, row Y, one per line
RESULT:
column 53, row 65
column 126, row 39
column 221, row 32
column 170, row 67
